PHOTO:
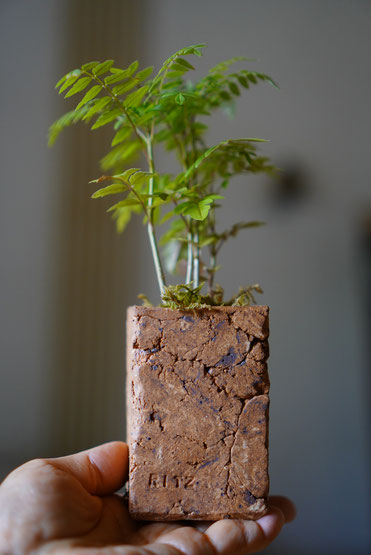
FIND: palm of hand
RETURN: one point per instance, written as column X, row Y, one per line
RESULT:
column 67, row 505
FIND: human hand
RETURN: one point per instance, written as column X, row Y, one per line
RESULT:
column 68, row 505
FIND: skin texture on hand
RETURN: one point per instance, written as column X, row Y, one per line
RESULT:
column 68, row 505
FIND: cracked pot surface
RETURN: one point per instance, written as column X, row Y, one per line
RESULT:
column 197, row 389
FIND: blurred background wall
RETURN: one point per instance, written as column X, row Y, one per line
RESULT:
column 66, row 277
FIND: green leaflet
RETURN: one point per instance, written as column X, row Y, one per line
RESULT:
column 121, row 135
column 144, row 74
column 251, row 77
column 117, row 77
column 102, row 68
column 92, row 93
column 124, row 203
column 79, row 86
column 61, row 80
column 176, row 73
column 133, row 67
column 127, row 173
column 234, row 89
column 133, row 99
column 243, row 81
column 106, row 117
column 224, row 95
column 140, row 178
column 89, row 66
column 121, row 74
column 120, row 89
column 198, row 210
column 179, row 99
column 110, row 190
column 69, row 79
column 184, row 63
column 98, row 106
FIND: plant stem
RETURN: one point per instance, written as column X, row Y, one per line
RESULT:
column 150, row 227
column 196, row 259
column 189, row 257
column 156, row 257
column 213, row 254
column 196, row 238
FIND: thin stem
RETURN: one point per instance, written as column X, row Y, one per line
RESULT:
column 156, row 258
column 151, row 232
column 189, row 258
column 196, row 239
column 196, row 259
column 213, row 254
column 150, row 227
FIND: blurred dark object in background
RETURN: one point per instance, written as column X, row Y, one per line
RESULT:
column 289, row 187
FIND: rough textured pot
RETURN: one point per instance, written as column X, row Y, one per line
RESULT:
column 197, row 398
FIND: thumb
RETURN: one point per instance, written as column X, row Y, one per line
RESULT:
column 101, row 470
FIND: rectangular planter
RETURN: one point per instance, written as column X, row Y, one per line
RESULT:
column 197, row 398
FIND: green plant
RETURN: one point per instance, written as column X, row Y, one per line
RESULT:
column 169, row 109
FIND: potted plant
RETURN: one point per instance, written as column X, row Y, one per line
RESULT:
column 197, row 381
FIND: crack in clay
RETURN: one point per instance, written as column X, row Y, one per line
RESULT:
column 229, row 463
column 212, row 445
column 189, row 387
column 192, row 392
column 201, row 346
column 155, row 417
column 221, row 388
column 177, row 504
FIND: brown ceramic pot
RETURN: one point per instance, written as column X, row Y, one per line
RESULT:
column 197, row 398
